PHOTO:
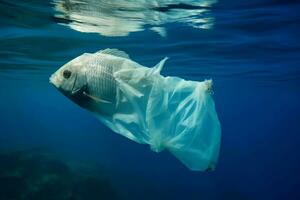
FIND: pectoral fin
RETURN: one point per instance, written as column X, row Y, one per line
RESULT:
column 96, row 98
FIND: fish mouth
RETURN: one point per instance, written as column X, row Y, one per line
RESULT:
column 54, row 81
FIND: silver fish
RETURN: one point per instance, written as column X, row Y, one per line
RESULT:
column 88, row 80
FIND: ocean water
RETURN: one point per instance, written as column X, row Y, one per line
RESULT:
column 52, row 149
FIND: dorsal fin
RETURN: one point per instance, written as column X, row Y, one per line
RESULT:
column 115, row 52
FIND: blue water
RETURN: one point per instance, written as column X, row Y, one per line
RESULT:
column 250, row 49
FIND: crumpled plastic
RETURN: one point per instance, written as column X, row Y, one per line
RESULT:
column 166, row 113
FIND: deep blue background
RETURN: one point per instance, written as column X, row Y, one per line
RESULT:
column 253, row 55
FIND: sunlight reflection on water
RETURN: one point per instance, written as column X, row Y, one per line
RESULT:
column 121, row 17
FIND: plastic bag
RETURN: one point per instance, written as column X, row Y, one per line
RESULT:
column 166, row 113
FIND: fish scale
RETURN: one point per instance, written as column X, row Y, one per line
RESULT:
column 101, row 83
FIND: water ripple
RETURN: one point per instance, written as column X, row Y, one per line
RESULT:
column 121, row 17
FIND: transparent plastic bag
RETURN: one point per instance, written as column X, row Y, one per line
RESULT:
column 166, row 113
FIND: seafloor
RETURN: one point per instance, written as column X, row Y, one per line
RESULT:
column 25, row 175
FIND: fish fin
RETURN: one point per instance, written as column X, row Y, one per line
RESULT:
column 115, row 52
column 96, row 98
column 158, row 67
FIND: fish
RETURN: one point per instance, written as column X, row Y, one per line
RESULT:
column 139, row 103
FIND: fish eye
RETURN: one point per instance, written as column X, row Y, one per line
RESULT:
column 67, row 74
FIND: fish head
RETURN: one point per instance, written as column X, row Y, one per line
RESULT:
column 70, row 79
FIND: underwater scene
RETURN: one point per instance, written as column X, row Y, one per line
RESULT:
column 149, row 99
